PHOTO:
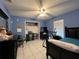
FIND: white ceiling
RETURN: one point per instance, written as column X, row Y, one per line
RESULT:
column 31, row 8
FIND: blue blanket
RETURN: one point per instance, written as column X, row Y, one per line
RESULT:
column 70, row 40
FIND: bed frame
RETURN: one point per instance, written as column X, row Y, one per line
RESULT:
column 72, row 32
column 56, row 52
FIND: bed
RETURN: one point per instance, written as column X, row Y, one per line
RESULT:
column 66, row 48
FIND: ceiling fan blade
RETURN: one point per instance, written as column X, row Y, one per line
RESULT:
column 29, row 10
column 49, row 14
column 9, row 1
column 20, row 8
column 37, row 15
column 32, row 18
column 40, row 3
column 61, row 3
column 24, row 13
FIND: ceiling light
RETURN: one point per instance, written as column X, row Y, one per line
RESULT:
column 9, row 0
column 42, row 10
column 42, row 14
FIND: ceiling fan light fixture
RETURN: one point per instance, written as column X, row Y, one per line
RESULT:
column 42, row 10
column 42, row 14
column 9, row 1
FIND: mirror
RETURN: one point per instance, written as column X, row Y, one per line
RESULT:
column 3, row 19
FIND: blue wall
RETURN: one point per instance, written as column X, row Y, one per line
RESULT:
column 71, row 19
column 42, row 23
column 21, row 21
column 14, row 20
column 49, row 24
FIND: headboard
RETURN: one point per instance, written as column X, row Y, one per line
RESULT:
column 72, row 32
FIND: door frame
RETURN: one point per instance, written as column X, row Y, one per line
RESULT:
column 38, row 27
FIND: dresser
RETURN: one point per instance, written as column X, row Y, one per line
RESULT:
column 8, row 49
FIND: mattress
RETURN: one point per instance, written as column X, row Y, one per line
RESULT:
column 65, row 45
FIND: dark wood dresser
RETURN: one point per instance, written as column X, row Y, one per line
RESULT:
column 8, row 49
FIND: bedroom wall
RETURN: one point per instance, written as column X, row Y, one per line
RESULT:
column 49, row 24
column 42, row 23
column 12, row 21
column 18, row 22
column 71, row 19
column 21, row 21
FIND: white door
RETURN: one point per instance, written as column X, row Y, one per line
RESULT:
column 59, row 27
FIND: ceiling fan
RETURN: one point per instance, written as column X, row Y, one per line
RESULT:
column 9, row 1
column 42, row 12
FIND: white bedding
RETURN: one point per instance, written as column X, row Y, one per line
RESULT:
column 65, row 45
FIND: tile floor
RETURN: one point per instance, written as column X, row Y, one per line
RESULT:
column 32, row 50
